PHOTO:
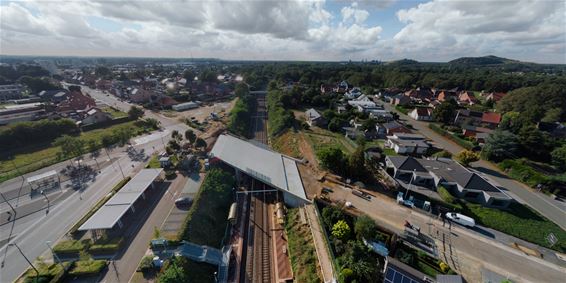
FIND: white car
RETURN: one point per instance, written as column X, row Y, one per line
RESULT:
column 461, row 219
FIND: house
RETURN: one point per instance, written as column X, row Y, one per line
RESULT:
column 554, row 129
column 482, row 137
column 433, row 104
column 446, row 95
column 76, row 101
column 391, row 128
column 472, row 131
column 458, row 180
column 353, row 93
column 9, row 92
column 314, row 118
column 419, row 94
column 397, row 272
column 326, row 88
column 403, row 143
column 55, row 96
column 491, row 119
column 381, row 114
column 401, row 100
column 103, row 84
column 356, row 132
column 421, row 114
column 467, row 98
column 340, row 109
column 95, row 115
column 141, row 96
column 362, row 100
column 475, row 118
column 494, row 96
column 342, row 87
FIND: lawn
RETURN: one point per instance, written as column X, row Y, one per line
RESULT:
column 403, row 109
column 320, row 138
column 154, row 162
column 47, row 272
column 287, row 143
column 206, row 221
column 87, row 267
column 301, row 249
column 70, row 246
column 115, row 113
column 32, row 158
column 519, row 221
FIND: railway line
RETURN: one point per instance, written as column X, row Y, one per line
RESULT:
column 257, row 257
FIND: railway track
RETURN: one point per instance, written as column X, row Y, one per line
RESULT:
column 258, row 258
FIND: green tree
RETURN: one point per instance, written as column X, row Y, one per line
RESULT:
column 135, row 112
column 70, row 146
column 341, row 230
column 103, row 72
column 189, row 75
column 200, row 143
column 176, row 135
column 559, row 157
column 501, row 145
column 465, row 157
column 357, row 162
column 365, row 227
column 174, row 274
column 445, row 112
column 331, row 215
column 369, row 124
column 190, row 136
column 174, row 144
column 443, row 154
column 153, row 123
column 331, row 158
column 553, row 115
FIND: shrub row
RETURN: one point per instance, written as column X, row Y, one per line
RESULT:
column 35, row 132
column 279, row 117
column 241, row 114
column 463, row 143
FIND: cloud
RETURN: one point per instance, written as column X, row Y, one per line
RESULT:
column 353, row 13
column 455, row 28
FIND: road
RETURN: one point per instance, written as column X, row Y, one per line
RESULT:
column 32, row 231
column 552, row 209
column 464, row 250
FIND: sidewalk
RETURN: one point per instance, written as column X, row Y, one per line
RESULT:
column 324, row 257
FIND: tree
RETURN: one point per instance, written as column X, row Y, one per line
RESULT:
column 189, row 75
column 102, row 71
column 467, row 156
column 356, row 163
column 331, row 215
column 335, row 124
column 173, row 274
column 190, row 136
column 500, row 145
column 445, row 112
column 559, row 157
column 153, row 123
column 200, row 143
column 135, row 112
column 70, row 146
column 173, row 144
column 331, row 158
column 443, row 154
column 176, row 135
column 341, row 230
column 369, row 124
column 365, row 227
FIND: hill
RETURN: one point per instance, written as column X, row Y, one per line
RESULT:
column 482, row 61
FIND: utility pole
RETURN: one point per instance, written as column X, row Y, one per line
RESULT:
column 9, row 219
column 36, row 271
column 48, row 243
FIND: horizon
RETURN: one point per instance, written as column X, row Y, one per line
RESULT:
column 291, row 30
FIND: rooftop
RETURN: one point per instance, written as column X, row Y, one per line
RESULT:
column 268, row 166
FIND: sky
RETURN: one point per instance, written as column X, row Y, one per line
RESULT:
column 426, row 30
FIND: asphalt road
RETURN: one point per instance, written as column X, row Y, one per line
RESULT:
column 32, row 231
column 552, row 209
column 465, row 250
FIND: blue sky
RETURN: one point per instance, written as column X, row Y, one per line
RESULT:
column 428, row 30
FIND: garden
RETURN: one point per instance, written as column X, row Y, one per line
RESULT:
column 301, row 249
column 421, row 261
column 354, row 261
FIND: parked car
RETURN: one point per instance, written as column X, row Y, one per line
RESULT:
column 461, row 219
column 327, row 190
column 183, row 201
column 361, row 194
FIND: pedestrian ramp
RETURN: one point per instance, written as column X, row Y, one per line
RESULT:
column 200, row 253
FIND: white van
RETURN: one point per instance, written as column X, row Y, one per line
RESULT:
column 461, row 219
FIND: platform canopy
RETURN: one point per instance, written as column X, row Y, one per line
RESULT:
column 270, row 167
column 110, row 213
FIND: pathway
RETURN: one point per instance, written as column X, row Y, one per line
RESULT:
column 320, row 245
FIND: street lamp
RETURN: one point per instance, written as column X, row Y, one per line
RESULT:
column 36, row 271
column 48, row 204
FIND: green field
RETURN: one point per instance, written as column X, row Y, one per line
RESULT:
column 301, row 249
column 114, row 112
column 319, row 138
column 28, row 159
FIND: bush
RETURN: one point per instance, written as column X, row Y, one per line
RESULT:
column 241, row 114
column 146, row 263
column 103, row 246
column 87, row 267
column 446, row 195
column 519, row 170
column 463, row 143
column 341, row 230
column 279, row 117
column 71, row 246
column 28, row 133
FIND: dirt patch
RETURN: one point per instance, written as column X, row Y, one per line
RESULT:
column 287, row 143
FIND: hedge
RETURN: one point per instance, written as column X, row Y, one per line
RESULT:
column 446, row 195
column 71, row 246
column 106, row 124
column 87, row 267
column 463, row 143
column 106, row 246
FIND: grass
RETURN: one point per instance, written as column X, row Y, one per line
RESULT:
column 115, row 113
column 35, row 157
column 87, row 267
column 532, row 173
column 320, row 138
column 460, row 141
column 110, row 245
column 301, row 249
column 519, row 221
column 287, row 143
column 206, row 221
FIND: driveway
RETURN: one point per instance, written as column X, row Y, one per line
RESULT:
column 551, row 209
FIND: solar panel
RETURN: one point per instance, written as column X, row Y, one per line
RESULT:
column 392, row 275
